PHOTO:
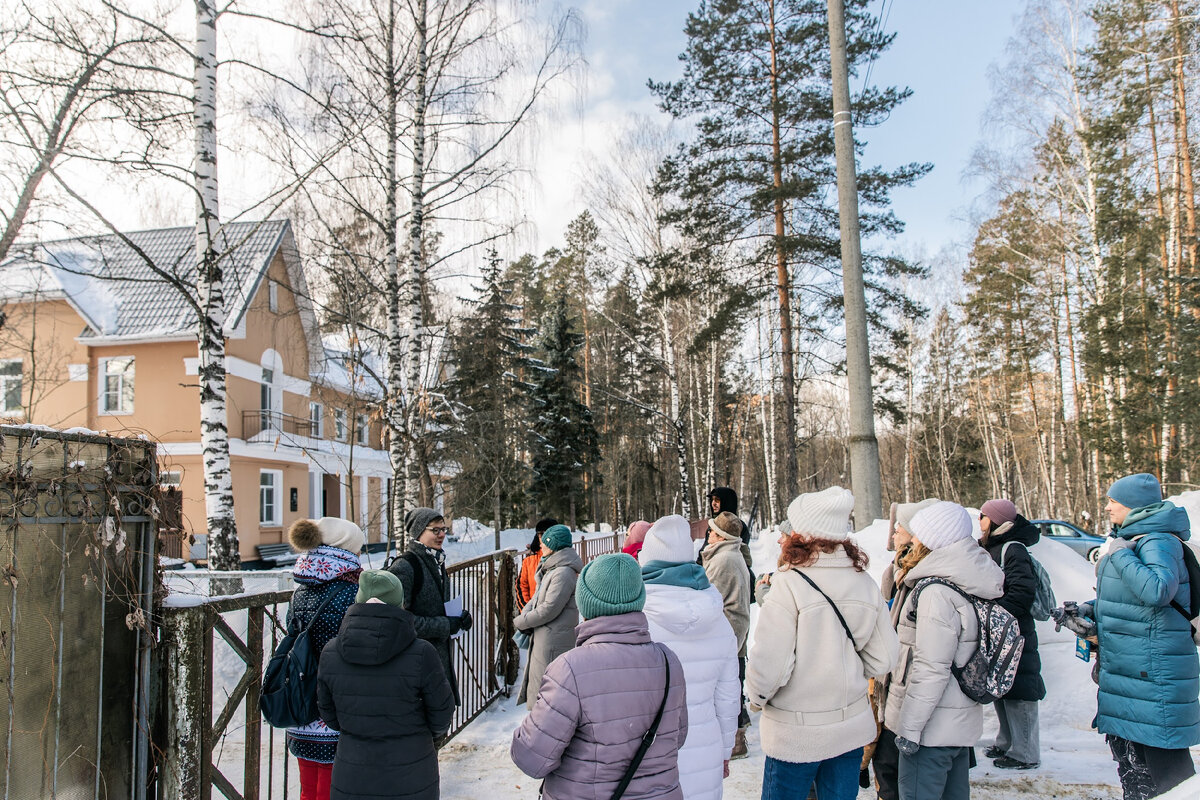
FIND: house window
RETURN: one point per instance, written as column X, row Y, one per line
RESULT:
column 117, row 391
column 10, row 386
column 270, row 498
column 339, row 424
column 362, row 427
column 316, row 413
column 266, row 399
column 273, row 295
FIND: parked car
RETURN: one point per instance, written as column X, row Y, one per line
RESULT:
column 1082, row 542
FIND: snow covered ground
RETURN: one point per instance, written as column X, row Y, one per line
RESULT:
column 1075, row 760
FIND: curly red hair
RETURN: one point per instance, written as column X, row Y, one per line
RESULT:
column 802, row 551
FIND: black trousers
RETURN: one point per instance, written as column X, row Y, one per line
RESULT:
column 743, row 715
column 886, row 762
column 1146, row 771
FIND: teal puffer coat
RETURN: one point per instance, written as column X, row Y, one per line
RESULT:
column 1149, row 668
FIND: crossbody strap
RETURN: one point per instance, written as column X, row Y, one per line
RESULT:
column 647, row 738
column 832, row 605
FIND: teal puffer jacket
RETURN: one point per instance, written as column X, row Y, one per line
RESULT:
column 1149, row 668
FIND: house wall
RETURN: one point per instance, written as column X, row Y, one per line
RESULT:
column 42, row 336
column 166, row 402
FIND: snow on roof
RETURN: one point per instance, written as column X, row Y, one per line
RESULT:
column 368, row 357
column 118, row 294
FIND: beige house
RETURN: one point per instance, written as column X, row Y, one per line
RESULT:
column 93, row 338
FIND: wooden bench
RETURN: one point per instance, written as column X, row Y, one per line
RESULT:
column 278, row 555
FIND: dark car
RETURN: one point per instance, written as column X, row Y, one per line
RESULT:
column 1082, row 542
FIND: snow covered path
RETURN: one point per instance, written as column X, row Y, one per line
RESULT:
column 1075, row 760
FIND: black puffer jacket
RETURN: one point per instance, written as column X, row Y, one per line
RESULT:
column 384, row 689
column 1020, row 590
column 429, row 604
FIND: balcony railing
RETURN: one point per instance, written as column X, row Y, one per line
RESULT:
column 263, row 420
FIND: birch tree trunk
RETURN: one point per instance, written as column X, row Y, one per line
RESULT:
column 396, row 411
column 214, row 428
column 416, row 253
column 676, row 419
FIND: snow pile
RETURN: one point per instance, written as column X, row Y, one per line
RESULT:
column 465, row 529
column 1190, row 502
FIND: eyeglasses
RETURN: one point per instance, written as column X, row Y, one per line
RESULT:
column 439, row 530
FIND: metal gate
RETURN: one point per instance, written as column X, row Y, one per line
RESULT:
column 213, row 651
column 76, row 582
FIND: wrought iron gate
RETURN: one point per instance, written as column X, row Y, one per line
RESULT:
column 76, row 583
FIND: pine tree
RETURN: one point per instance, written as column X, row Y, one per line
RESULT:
column 564, row 440
column 488, row 401
column 760, row 169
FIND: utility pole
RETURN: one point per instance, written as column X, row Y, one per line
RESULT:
column 864, row 448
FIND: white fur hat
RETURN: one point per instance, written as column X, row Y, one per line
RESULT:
column 670, row 540
column 941, row 524
column 824, row 514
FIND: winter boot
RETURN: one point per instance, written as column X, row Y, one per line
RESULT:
column 993, row 752
column 739, row 746
column 1004, row 762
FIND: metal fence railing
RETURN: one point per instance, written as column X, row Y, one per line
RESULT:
column 214, row 650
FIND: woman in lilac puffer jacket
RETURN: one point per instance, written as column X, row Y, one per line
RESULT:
column 598, row 700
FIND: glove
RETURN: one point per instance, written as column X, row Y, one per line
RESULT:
column 464, row 621
column 1111, row 545
column 1080, row 626
column 455, row 624
column 906, row 747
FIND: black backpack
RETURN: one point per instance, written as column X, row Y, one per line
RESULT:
column 289, row 686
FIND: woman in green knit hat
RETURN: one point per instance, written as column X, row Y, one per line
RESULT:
column 551, row 616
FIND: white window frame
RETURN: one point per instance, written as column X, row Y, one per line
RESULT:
column 316, row 415
column 276, row 520
column 362, row 430
column 273, row 296
column 19, row 378
column 340, row 429
column 103, row 381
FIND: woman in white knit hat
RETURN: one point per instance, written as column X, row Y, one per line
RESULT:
column 687, row 614
column 822, row 632
column 935, row 724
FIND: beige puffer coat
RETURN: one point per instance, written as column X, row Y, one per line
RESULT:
column 924, row 703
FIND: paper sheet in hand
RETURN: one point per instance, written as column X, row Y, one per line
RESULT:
column 454, row 608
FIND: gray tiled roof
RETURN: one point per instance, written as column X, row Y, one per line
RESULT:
column 119, row 294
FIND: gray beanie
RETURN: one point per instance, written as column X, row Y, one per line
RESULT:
column 417, row 520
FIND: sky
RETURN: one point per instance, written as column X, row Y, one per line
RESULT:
column 943, row 51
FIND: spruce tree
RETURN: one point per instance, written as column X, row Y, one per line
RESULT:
column 488, row 401
column 564, row 442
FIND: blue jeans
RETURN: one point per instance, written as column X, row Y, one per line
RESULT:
column 837, row 778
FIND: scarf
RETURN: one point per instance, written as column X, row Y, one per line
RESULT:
column 324, row 563
column 690, row 575
column 439, row 556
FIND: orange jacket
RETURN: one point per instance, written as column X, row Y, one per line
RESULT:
column 527, row 578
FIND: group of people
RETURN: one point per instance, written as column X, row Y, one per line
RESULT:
column 638, row 678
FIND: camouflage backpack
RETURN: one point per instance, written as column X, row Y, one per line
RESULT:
column 989, row 672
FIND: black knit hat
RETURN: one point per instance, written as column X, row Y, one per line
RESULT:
column 417, row 520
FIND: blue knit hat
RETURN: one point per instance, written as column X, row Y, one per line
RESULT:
column 610, row 585
column 557, row 537
column 1136, row 491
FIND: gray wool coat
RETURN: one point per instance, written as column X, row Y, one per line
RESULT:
column 725, row 566
column 429, row 606
column 550, row 617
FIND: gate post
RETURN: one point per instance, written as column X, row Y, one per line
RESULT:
column 183, row 703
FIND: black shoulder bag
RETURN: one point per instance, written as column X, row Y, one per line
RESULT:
column 647, row 740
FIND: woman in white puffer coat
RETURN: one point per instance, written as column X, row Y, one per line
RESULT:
column 687, row 615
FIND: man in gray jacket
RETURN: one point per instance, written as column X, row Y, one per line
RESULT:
column 726, row 558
